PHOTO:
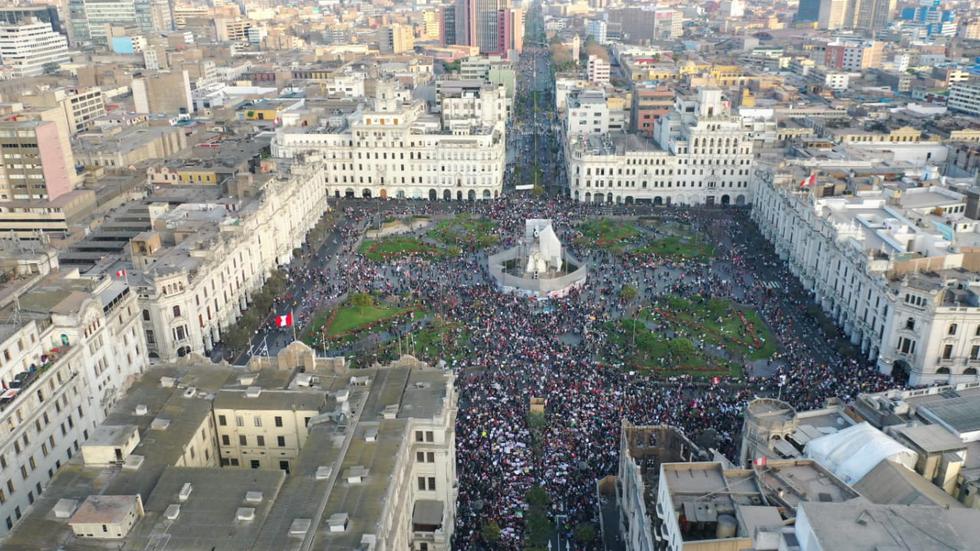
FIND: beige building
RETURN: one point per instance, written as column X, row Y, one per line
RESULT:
column 264, row 429
column 197, row 268
column 80, row 107
column 376, row 466
column 163, row 92
column 396, row 39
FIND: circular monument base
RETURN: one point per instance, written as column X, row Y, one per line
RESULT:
column 502, row 267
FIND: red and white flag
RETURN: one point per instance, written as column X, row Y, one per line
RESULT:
column 808, row 181
column 760, row 461
column 120, row 273
column 284, row 320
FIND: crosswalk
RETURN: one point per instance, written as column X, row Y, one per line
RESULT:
column 771, row 284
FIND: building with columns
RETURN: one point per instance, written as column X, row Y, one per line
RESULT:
column 894, row 266
column 195, row 270
column 700, row 155
column 393, row 147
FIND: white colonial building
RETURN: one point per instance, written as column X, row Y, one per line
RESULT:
column 702, row 155
column 69, row 348
column 397, row 149
column 197, row 269
column 894, row 267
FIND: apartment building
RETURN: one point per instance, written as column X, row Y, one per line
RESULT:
column 166, row 92
column 397, row 149
column 396, row 39
column 469, row 106
column 882, row 267
column 32, row 48
column 80, row 106
column 69, row 348
column 587, row 113
column 853, row 56
column 964, row 97
column 377, row 464
column 195, row 270
column 37, row 178
column 701, row 155
column 597, row 70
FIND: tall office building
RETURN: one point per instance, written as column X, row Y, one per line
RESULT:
column 396, row 39
column 89, row 20
column 873, row 15
column 479, row 23
column 808, row 12
column 21, row 14
column 865, row 15
column 831, row 14
column 40, row 168
column 447, row 25
column 32, row 48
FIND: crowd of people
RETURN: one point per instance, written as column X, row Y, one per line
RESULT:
column 562, row 352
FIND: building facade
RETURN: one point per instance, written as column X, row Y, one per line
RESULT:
column 702, row 156
column 881, row 270
column 399, row 151
column 32, row 48
column 66, row 358
column 195, row 282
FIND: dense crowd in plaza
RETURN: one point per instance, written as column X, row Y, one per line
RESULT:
column 519, row 349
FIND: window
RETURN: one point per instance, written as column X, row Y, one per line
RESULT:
column 429, row 436
column 284, row 465
column 281, row 441
column 225, row 441
column 422, row 483
column 430, row 457
column 257, row 420
column 254, row 463
column 260, row 441
column 910, row 324
column 177, row 311
column 278, row 421
column 420, row 457
column 947, row 351
column 952, row 329
column 242, row 441
column 222, row 421
column 432, row 483
column 233, row 461
column 418, row 436
column 239, row 421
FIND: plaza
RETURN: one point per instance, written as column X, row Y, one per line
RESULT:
column 701, row 322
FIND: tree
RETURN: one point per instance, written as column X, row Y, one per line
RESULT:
column 584, row 533
column 361, row 300
column 628, row 293
column 490, row 532
column 538, row 498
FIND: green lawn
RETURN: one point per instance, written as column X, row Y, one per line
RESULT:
column 465, row 231
column 348, row 321
column 440, row 340
column 674, row 246
column 395, row 247
column 737, row 330
column 605, row 233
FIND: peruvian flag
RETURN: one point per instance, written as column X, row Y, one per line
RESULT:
column 284, row 320
column 808, row 181
column 120, row 273
column 760, row 461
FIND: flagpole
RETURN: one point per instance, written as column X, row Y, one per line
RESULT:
column 293, row 324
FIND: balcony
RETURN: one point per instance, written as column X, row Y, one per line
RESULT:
column 14, row 397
